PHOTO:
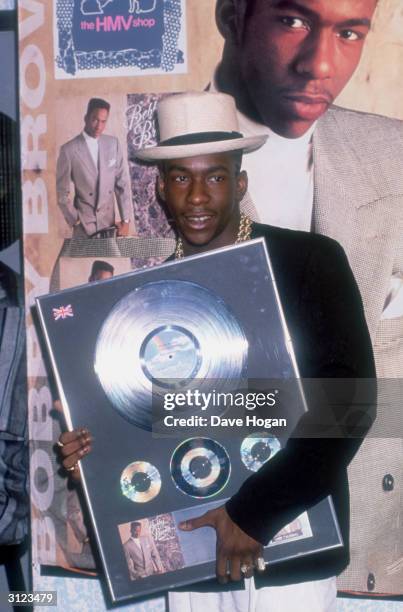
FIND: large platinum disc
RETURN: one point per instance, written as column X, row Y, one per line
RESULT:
column 164, row 335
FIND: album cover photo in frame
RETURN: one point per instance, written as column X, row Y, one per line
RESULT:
column 118, row 344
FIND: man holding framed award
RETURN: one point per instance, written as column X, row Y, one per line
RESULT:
column 201, row 182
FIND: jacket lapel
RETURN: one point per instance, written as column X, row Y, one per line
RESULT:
column 103, row 164
column 348, row 208
column 340, row 184
column 85, row 156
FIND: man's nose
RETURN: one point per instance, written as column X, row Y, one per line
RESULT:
column 198, row 193
column 317, row 56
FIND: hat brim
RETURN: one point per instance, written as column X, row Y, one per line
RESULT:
column 247, row 145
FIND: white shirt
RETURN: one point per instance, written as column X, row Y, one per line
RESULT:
column 285, row 197
column 93, row 146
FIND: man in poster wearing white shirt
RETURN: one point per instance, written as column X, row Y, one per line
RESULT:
column 93, row 162
column 336, row 172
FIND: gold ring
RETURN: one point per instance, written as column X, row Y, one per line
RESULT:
column 260, row 564
column 60, row 444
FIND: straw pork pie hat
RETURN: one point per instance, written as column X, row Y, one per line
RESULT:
column 198, row 123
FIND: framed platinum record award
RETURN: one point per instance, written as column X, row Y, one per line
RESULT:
column 185, row 375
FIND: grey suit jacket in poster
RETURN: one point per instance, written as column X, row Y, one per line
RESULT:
column 93, row 202
column 144, row 562
column 358, row 201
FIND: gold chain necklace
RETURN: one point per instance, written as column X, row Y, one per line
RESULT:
column 244, row 233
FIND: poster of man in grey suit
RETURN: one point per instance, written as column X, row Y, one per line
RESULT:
column 141, row 554
column 90, row 174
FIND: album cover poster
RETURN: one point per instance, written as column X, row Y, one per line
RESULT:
column 149, row 216
column 119, row 348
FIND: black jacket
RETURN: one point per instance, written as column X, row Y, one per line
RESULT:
column 325, row 317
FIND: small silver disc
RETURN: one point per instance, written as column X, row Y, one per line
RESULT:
column 257, row 448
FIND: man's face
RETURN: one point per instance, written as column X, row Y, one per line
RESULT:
column 297, row 55
column 136, row 530
column 203, row 194
column 95, row 122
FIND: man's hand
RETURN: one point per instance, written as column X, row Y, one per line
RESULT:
column 234, row 546
column 122, row 228
column 73, row 446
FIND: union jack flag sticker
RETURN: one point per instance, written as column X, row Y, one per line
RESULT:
column 63, row 312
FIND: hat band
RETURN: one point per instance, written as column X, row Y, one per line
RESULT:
column 200, row 138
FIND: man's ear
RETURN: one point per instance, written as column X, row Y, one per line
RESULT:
column 241, row 185
column 161, row 186
column 229, row 18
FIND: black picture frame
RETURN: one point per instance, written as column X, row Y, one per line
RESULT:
column 242, row 278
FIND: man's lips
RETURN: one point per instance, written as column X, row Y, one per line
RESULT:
column 308, row 97
column 198, row 220
column 309, row 106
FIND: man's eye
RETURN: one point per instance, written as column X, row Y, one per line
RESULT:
column 180, row 178
column 350, row 35
column 295, row 23
column 216, row 178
